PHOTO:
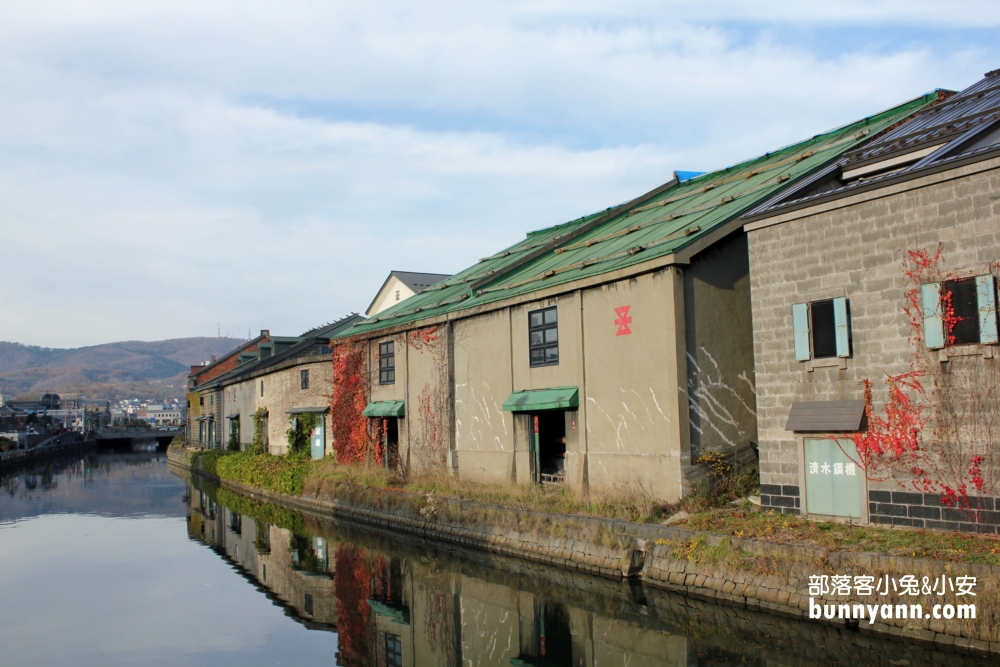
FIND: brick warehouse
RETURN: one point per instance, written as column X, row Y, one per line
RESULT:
column 847, row 286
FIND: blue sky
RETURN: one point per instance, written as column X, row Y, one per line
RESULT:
column 167, row 167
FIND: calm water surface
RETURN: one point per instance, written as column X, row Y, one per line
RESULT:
column 111, row 559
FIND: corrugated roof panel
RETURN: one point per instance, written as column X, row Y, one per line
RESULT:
column 668, row 222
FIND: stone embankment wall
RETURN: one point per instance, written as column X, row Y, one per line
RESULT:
column 19, row 458
column 752, row 574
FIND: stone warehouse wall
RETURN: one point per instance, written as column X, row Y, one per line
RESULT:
column 746, row 573
column 854, row 248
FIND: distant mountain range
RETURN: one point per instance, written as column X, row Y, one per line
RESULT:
column 129, row 369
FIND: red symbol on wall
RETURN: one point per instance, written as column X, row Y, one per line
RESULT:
column 623, row 321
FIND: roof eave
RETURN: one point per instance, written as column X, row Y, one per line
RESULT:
column 749, row 221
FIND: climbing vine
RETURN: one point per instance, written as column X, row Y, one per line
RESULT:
column 941, row 419
column 299, row 431
column 429, row 442
column 258, row 445
column 352, row 586
column 349, row 427
column 234, row 439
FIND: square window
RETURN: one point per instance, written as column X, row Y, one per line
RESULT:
column 386, row 363
column 822, row 329
column 543, row 337
column 965, row 305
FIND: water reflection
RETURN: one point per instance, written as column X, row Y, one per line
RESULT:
column 397, row 601
column 114, row 484
column 96, row 569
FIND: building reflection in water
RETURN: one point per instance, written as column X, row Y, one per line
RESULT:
column 398, row 602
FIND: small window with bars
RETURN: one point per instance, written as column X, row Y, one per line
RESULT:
column 543, row 337
column 822, row 329
column 304, row 379
column 386, row 363
column 960, row 312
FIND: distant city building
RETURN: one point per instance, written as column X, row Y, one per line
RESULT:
column 164, row 414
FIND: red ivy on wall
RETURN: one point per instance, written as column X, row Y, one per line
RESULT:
column 939, row 423
column 352, row 583
column 350, row 396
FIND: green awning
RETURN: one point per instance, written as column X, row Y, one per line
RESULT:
column 532, row 400
column 384, row 409
column 301, row 411
column 398, row 615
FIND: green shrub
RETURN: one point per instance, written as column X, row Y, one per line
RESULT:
column 274, row 473
column 258, row 445
column 299, row 432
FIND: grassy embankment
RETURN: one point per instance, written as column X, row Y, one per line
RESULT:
column 711, row 509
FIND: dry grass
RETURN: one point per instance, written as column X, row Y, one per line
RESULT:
column 787, row 528
column 629, row 502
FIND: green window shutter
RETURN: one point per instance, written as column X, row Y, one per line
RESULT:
column 986, row 293
column 930, row 296
column 842, row 324
column 800, row 321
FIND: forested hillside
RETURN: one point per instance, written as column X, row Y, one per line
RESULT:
column 139, row 369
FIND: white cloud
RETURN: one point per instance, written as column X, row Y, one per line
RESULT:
column 165, row 166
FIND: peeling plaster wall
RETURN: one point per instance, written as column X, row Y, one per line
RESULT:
column 430, row 593
column 491, row 622
column 618, row 642
column 719, row 336
column 395, row 391
column 243, row 398
column 427, row 398
column 634, row 378
column 636, row 423
column 484, row 432
column 569, row 373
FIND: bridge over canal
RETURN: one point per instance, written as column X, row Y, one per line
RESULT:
column 153, row 438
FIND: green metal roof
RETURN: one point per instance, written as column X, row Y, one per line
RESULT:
column 531, row 400
column 384, row 409
column 665, row 221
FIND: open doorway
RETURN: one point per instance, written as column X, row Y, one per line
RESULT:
column 550, row 438
column 390, row 435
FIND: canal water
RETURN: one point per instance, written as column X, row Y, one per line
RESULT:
column 112, row 559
